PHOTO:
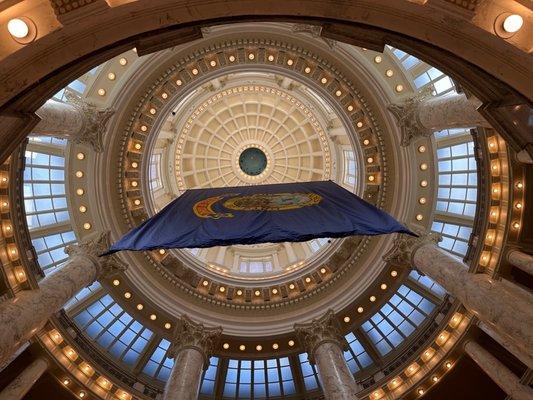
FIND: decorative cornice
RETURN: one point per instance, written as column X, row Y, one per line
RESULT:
column 191, row 335
column 319, row 331
column 404, row 246
column 94, row 122
column 92, row 248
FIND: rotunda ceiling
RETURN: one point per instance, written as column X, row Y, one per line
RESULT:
column 250, row 131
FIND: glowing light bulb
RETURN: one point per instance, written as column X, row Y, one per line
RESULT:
column 513, row 23
column 18, row 28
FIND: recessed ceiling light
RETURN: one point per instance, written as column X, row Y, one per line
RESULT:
column 18, row 28
column 513, row 23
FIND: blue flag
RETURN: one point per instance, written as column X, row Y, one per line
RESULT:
column 289, row 212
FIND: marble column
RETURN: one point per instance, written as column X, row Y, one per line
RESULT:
column 22, row 316
column 324, row 345
column 507, row 311
column 22, row 384
column 521, row 260
column 421, row 115
column 498, row 372
column 507, row 344
column 75, row 120
column 191, row 347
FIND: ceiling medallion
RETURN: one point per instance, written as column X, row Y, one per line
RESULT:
column 252, row 161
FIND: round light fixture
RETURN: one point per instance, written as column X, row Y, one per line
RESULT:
column 18, row 28
column 512, row 23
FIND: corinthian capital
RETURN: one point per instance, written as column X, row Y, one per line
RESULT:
column 191, row 335
column 407, row 115
column 94, row 122
column 318, row 331
column 404, row 246
column 92, row 248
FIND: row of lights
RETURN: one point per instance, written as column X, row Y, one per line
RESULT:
column 259, row 347
column 123, row 61
column 427, row 355
column 372, row 298
column 389, row 73
column 257, row 292
column 85, row 368
column 7, row 228
column 140, row 306
column 80, row 192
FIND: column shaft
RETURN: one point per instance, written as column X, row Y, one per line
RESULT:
column 22, row 384
column 336, row 379
column 507, row 344
column 498, row 372
column 185, row 378
column 59, row 119
column 521, row 260
column 25, row 314
column 492, row 303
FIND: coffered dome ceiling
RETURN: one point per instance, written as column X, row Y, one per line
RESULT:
column 250, row 131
